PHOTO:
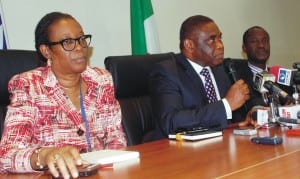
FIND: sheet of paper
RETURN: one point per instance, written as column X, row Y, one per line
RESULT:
column 109, row 156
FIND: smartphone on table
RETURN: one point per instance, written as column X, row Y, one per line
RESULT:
column 85, row 170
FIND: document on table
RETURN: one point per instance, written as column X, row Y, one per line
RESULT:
column 105, row 157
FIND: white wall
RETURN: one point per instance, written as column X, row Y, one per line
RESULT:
column 109, row 23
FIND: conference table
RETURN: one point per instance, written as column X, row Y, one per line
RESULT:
column 227, row 156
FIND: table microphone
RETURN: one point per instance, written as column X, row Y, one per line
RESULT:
column 284, row 76
column 254, row 115
column 271, row 86
column 289, row 120
column 275, row 71
column 296, row 65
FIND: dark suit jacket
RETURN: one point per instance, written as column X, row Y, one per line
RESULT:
column 179, row 98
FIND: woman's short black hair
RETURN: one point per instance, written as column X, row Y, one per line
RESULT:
column 42, row 29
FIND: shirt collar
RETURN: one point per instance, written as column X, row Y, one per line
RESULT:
column 256, row 69
column 198, row 67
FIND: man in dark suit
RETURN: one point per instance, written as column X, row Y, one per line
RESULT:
column 256, row 45
column 179, row 96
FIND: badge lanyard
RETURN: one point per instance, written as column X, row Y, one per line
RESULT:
column 86, row 124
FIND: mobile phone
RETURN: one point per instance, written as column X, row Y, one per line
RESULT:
column 267, row 140
column 84, row 170
column 88, row 169
column 245, row 131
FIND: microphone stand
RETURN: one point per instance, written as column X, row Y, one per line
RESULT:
column 295, row 94
column 273, row 111
column 273, row 120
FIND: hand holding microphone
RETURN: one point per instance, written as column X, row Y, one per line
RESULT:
column 238, row 94
column 230, row 68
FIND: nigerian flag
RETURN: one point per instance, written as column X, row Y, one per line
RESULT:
column 144, row 37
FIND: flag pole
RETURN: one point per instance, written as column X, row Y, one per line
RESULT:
column 3, row 36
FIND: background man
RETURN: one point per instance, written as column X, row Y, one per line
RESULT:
column 256, row 45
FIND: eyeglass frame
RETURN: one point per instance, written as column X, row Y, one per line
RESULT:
column 61, row 42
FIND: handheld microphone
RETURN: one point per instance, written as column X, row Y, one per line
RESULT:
column 289, row 120
column 230, row 68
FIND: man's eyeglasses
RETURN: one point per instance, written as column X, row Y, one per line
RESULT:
column 69, row 44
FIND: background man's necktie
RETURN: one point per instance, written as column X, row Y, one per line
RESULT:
column 209, row 87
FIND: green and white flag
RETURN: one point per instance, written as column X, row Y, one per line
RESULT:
column 144, row 36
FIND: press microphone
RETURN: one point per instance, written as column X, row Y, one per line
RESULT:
column 260, row 79
column 296, row 65
column 275, row 71
column 290, row 111
column 283, row 76
column 261, row 116
column 289, row 120
column 254, row 115
column 274, row 89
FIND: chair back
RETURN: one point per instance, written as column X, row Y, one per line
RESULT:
column 13, row 62
column 130, row 76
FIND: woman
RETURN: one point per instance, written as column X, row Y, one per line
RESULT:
column 62, row 109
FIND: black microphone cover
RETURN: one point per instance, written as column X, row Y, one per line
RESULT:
column 271, row 86
column 298, row 114
column 296, row 65
column 230, row 68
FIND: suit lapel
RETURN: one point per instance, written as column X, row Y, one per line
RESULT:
column 221, row 79
column 192, row 78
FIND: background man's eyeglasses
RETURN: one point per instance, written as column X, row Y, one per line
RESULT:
column 69, row 44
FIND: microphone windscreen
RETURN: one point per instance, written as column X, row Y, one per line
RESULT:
column 230, row 69
column 275, row 71
column 296, row 65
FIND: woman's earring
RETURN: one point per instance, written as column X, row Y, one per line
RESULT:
column 49, row 62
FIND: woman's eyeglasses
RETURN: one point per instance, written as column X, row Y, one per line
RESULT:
column 69, row 44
